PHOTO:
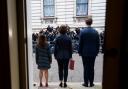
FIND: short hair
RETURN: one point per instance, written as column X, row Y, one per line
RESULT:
column 88, row 21
column 63, row 29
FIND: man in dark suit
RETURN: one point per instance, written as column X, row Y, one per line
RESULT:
column 88, row 49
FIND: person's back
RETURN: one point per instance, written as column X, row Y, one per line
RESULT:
column 64, row 48
column 63, row 53
column 90, row 42
column 43, row 59
column 88, row 49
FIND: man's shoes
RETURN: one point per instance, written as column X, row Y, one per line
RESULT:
column 85, row 85
column 65, row 85
column 91, row 85
column 61, row 84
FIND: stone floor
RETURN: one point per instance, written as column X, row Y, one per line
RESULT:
column 75, row 75
column 70, row 86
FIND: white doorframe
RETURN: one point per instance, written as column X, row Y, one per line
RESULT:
column 29, row 39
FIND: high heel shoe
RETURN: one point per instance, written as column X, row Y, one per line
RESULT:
column 41, row 85
column 46, row 85
column 65, row 85
column 61, row 84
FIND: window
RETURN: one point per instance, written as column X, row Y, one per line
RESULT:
column 81, row 7
column 48, row 8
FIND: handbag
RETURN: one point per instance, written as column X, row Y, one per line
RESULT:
column 71, row 64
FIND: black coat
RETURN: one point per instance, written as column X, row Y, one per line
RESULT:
column 63, row 47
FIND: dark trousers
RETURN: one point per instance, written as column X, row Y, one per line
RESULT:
column 88, row 64
column 63, row 69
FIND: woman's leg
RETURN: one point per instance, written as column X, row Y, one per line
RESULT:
column 66, row 62
column 41, row 76
column 46, row 77
column 60, row 71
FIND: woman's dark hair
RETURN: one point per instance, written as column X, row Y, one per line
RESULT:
column 89, row 21
column 63, row 29
column 42, row 41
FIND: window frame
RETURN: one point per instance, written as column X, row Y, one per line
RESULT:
column 44, row 12
column 86, row 4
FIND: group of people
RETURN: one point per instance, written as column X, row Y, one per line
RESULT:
column 88, row 49
column 51, row 34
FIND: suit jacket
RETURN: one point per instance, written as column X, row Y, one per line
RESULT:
column 63, row 47
column 89, row 42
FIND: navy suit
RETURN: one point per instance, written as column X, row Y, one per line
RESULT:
column 62, row 53
column 88, row 49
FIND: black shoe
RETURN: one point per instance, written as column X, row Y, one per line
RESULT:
column 41, row 85
column 65, row 85
column 61, row 84
column 91, row 85
column 86, row 85
column 46, row 85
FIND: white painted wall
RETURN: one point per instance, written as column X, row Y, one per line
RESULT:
column 97, row 9
column 33, row 15
column 36, row 13
column 65, row 10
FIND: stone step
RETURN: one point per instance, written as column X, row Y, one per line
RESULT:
column 54, row 85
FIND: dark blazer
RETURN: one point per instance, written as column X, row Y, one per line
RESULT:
column 63, row 47
column 89, row 42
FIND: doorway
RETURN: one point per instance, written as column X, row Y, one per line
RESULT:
column 111, row 67
column 36, row 23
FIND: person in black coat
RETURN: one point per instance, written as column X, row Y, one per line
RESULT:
column 88, row 49
column 43, row 58
column 63, row 53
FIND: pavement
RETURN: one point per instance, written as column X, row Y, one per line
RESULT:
column 70, row 86
column 75, row 77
